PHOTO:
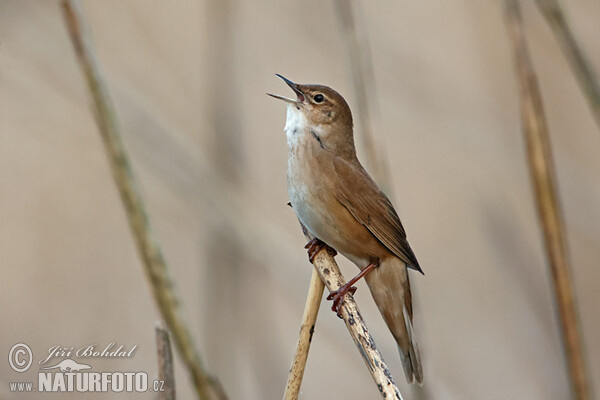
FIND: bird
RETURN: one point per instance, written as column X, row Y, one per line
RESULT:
column 337, row 201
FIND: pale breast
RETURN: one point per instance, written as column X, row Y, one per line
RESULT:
column 312, row 195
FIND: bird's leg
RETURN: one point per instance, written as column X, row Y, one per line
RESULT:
column 314, row 246
column 338, row 295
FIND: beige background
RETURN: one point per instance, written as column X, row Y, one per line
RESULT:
column 188, row 79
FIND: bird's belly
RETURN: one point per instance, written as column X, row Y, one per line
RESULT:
column 326, row 218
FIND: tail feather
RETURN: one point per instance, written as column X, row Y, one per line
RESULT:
column 414, row 356
column 390, row 289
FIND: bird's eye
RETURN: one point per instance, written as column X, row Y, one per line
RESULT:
column 319, row 98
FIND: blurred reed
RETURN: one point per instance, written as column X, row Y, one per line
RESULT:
column 227, row 150
column 541, row 166
column 166, row 371
column 307, row 328
column 224, row 251
column 361, row 69
column 584, row 72
column 156, row 268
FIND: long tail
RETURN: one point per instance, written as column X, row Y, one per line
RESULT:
column 390, row 289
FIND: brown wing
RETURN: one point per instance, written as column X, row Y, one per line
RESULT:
column 361, row 196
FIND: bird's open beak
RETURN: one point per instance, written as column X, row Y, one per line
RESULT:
column 300, row 96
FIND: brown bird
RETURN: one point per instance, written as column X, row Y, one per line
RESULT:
column 338, row 202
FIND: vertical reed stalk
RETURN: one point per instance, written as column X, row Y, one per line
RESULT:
column 307, row 328
column 361, row 68
column 541, row 166
column 224, row 251
column 155, row 266
column 166, row 371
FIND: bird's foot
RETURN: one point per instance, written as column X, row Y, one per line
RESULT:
column 338, row 295
column 316, row 245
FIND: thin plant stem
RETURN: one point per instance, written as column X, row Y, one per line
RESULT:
column 583, row 70
column 307, row 328
column 361, row 68
column 166, row 371
column 155, row 266
column 541, row 166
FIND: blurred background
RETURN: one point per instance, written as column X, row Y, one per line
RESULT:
column 189, row 79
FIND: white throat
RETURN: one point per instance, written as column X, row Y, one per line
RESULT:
column 295, row 126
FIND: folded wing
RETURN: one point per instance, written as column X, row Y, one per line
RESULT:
column 372, row 208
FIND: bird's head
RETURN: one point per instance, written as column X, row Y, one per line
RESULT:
column 322, row 109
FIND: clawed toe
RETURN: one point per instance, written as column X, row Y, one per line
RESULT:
column 337, row 296
column 341, row 292
column 314, row 246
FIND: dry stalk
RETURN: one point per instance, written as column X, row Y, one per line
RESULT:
column 157, row 271
column 307, row 328
column 223, row 90
column 584, row 72
column 331, row 275
column 224, row 252
column 359, row 62
column 542, row 174
column 166, row 372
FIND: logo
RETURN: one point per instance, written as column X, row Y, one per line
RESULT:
column 68, row 375
column 69, row 365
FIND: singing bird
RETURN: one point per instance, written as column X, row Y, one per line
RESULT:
column 338, row 202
